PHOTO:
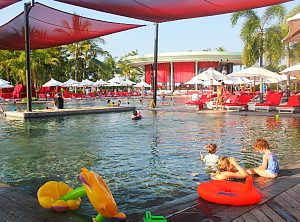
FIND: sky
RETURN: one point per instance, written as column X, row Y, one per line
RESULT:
column 195, row 34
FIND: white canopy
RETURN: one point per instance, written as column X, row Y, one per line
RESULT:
column 70, row 82
column 52, row 82
column 294, row 32
column 4, row 81
column 86, row 82
column 4, row 84
column 116, row 79
column 211, row 74
column 255, row 72
column 141, row 84
column 128, row 82
column 194, row 81
column 240, row 80
column 100, row 82
column 293, row 70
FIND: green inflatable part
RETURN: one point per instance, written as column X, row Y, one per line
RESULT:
column 79, row 192
column 99, row 218
column 150, row 218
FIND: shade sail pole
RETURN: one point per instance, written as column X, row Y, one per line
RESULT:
column 153, row 103
column 27, row 8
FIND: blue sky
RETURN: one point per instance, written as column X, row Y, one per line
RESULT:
column 177, row 36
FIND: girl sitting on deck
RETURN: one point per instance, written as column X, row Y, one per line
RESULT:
column 226, row 170
column 269, row 167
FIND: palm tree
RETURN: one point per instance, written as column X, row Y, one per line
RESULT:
column 129, row 71
column 221, row 49
column 258, row 31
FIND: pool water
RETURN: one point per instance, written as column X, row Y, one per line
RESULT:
column 145, row 162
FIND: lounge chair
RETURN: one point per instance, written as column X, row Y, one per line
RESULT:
column 197, row 104
column 291, row 106
column 240, row 104
column 273, row 100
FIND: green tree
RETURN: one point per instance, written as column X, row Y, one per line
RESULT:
column 258, row 33
column 221, row 49
column 132, row 73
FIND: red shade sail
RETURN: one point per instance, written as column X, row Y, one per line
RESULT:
column 50, row 27
column 4, row 3
column 170, row 10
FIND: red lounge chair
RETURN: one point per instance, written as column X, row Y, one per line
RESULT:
column 291, row 106
column 197, row 104
column 273, row 100
column 240, row 104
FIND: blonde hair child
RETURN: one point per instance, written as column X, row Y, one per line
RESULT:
column 229, row 169
column 269, row 167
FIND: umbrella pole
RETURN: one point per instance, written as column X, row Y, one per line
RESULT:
column 153, row 102
column 261, row 90
column 27, row 8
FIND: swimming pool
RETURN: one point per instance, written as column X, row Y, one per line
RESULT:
column 146, row 162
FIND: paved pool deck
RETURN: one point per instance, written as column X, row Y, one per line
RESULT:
column 68, row 112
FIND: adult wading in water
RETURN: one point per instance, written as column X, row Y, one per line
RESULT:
column 59, row 101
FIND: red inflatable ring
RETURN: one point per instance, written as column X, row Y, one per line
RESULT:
column 229, row 193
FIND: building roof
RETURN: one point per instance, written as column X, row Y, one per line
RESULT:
column 199, row 56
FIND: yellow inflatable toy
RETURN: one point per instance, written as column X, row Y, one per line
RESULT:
column 100, row 195
column 61, row 197
column 50, row 193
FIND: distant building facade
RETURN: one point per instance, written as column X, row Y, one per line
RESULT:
column 175, row 68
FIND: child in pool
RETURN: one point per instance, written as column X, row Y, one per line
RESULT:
column 269, row 167
column 211, row 157
column 229, row 169
column 136, row 114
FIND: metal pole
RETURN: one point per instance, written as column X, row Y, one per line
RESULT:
column 27, row 8
column 153, row 103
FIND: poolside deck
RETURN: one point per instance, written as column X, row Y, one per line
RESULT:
column 68, row 112
column 281, row 202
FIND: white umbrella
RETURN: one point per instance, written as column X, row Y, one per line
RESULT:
column 4, row 81
column 113, row 84
column 211, row 74
column 100, row 82
column 141, row 84
column 128, row 82
column 4, row 84
column 240, row 80
column 211, row 82
column 52, row 82
column 70, row 82
column 194, row 81
column 116, row 79
column 294, row 32
column 255, row 72
column 293, row 70
column 86, row 82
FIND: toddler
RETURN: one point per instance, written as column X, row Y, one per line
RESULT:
column 269, row 167
column 211, row 157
